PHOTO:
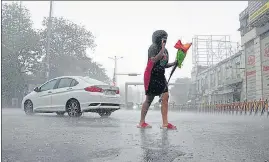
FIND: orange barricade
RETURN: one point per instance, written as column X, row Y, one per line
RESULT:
column 258, row 106
column 264, row 107
column 253, row 106
column 246, row 106
column 232, row 107
column 261, row 106
column 265, row 104
column 241, row 107
column 228, row 107
column 236, row 107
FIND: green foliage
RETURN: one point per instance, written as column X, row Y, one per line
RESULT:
column 69, row 42
column 24, row 51
column 20, row 49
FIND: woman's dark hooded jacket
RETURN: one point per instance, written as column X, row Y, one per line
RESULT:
column 154, row 77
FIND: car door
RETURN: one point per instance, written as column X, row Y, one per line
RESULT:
column 43, row 100
column 61, row 94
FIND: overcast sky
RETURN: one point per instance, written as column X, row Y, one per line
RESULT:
column 125, row 28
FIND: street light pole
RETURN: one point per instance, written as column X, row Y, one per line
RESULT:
column 48, row 41
column 20, row 17
column 115, row 68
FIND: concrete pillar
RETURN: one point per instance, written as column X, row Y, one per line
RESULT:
column 257, row 52
column 243, row 74
column 265, row 63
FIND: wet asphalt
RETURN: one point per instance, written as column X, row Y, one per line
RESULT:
column 199, row 138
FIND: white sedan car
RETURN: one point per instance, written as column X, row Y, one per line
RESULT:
column 74, row 95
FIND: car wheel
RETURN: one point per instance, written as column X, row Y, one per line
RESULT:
column 28, row 107
column 60, row 113
column 73, row 108
column 105, row 114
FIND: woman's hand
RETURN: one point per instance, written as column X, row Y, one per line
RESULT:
column 160, row 55
column 168, row 65
column 163, row 44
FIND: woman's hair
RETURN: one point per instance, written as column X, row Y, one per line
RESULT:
column 158, row 35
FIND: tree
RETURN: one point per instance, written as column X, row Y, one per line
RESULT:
column 20, row 50
column 95, row 70
column 67, row 54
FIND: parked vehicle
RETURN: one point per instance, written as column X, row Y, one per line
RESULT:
column 74, row 95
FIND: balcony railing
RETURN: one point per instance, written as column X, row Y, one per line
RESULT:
column 243, row 13
column 233, row 81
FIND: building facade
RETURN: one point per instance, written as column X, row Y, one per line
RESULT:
column 221, row 82
column 254, row 28
column 244, row 75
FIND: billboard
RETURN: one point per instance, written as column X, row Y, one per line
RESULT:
column 257, row 9
column 265, row 65
column 250, row 70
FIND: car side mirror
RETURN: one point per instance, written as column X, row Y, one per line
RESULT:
column 37, row 89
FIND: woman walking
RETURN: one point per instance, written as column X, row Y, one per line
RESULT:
column 154, row 78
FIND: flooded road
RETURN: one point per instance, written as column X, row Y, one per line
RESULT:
column 199, row 138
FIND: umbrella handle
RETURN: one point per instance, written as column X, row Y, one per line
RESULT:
column 172, row 72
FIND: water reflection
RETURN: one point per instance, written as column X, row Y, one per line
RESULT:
column 83, row 121
column 159, row 149
column 154, row 150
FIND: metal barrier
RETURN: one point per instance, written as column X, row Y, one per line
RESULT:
column 236, row 108
column 260, row 107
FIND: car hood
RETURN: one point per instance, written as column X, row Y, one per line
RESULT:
column 29, row 95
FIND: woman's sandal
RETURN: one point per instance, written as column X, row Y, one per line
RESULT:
column 144, row 125
column 169, row 126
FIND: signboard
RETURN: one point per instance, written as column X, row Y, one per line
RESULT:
column 250, row 70
column 253, row 6
column 256, row 9
column 265, row 66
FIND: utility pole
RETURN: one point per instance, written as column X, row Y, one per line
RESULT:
column 115, row 58
column 48, row 41
column 20, row 17
column 246, row 76
column 17, row 50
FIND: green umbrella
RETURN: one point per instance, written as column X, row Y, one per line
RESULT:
column 181, row 54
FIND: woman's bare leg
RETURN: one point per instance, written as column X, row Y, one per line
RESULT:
column 164, row 108
column 145, row 108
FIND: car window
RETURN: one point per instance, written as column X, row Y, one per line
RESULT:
column 73, row 83
column 48, row 86
column 64, row 82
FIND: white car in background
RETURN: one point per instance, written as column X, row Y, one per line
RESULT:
column 74, row 95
